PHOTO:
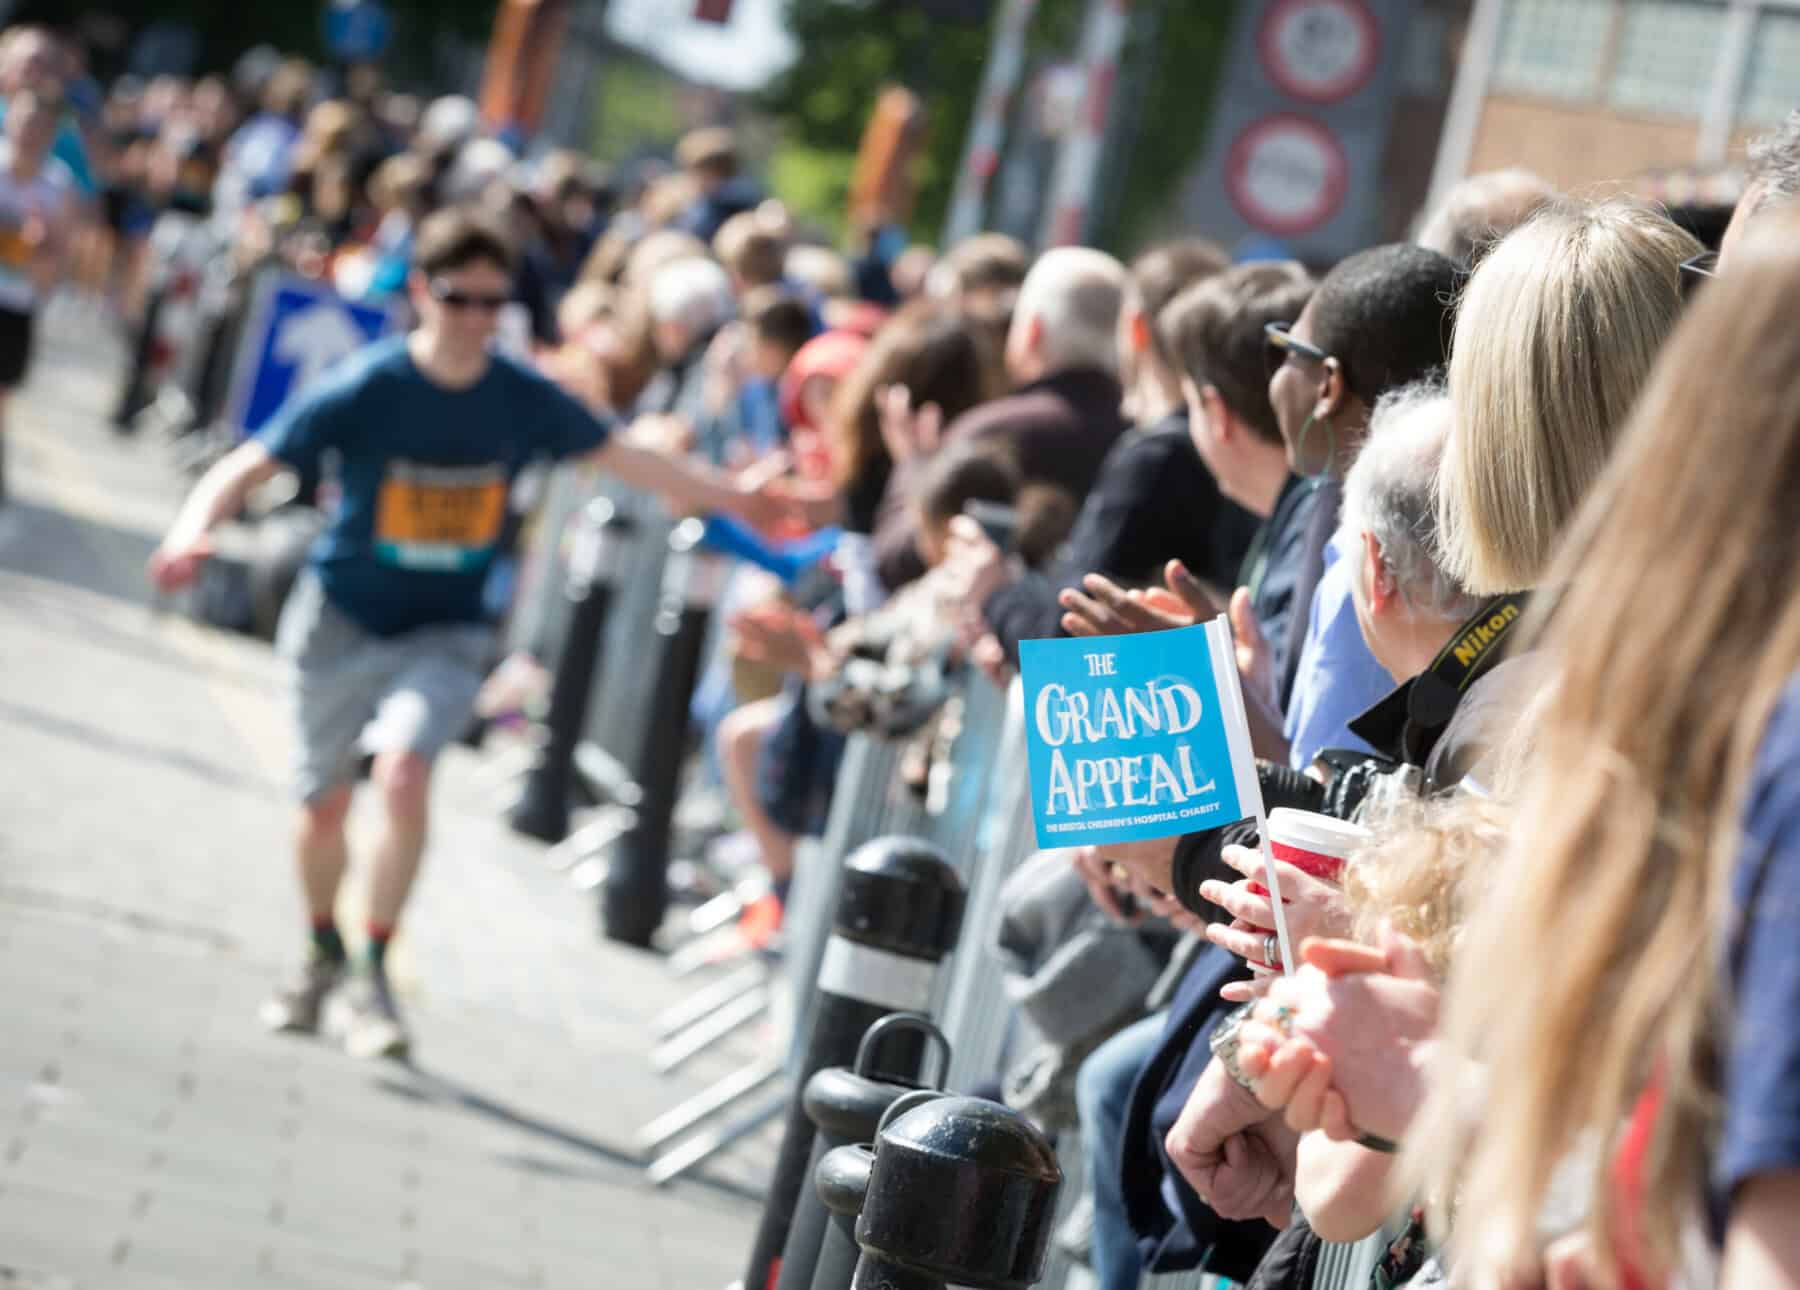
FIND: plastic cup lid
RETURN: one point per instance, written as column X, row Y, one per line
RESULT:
column 1320, row 834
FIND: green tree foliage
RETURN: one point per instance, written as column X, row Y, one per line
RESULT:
column 848, row 51
column 1178, row 54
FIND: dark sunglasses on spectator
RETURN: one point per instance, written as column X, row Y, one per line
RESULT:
column 1697, row 272
column 451, row 298
column 1283, row 345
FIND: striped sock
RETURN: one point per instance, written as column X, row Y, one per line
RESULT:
column 327, row 944
column 379, row 936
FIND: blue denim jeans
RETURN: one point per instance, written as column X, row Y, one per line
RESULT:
column 1102, row 1090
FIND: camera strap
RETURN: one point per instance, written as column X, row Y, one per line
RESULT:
column 1407, row 723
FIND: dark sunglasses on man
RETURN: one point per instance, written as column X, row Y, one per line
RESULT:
column 451, row 298
column 1283, row 345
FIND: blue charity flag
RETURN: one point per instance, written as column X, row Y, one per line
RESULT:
column 1136, row 737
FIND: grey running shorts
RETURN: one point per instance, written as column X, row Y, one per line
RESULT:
column 356, row 693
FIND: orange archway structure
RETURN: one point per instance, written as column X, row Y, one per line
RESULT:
column 521, row 62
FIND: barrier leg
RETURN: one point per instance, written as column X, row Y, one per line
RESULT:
column 677, row 1120
column 703, row 1002
column 697, row 1150
column 673, row 1053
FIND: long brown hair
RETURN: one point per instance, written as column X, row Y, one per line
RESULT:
column 933, row 350
column 1677, row 632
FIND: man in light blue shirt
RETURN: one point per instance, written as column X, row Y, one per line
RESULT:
column 1339, row 678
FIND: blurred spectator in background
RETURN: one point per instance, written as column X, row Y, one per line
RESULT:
column 710, row 161
column 1064, row 414
column 1772, row 180
column 1480, row 211
column 37, row 199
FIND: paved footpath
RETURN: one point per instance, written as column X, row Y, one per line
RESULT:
column 151, row 1136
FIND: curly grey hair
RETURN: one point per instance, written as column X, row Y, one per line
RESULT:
column 1391, row 492
column 1773, row 176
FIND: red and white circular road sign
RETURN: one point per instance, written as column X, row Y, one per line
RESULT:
column 1286, row 174
column 1319, row 51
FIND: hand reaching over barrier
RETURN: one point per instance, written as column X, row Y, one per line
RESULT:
column 779, row 636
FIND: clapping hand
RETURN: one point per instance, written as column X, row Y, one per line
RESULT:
column 1103, row 608
column 1342, row 1045
column 908, row 433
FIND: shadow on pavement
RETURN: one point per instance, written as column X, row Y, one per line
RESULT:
column 40, row 602
column 421, row 1085
column 46, row 543
column 218, row 774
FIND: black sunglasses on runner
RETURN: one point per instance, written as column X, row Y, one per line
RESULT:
column 451, row 298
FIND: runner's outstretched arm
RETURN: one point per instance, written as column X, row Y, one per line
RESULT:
column 693, row 485
column 218, row 496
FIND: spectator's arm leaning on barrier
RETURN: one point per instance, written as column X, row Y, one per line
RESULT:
column 1237, row 1157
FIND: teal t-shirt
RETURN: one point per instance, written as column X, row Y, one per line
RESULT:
column 425, row 473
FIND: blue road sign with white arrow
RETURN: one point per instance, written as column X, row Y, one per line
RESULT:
column 357, row 31
column 298, row 328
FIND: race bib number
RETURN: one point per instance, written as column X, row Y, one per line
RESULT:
column 15, row 252
column 439, row 518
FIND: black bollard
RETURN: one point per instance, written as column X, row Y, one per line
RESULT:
column 542, row 810
column 899, row 911
column 845, row 1105
column 958, row 1191
column 841, row 1181
column 636, row 894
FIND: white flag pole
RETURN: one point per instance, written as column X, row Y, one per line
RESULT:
column 1243, row 767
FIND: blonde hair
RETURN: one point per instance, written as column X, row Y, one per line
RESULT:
column 1677, row 633
column 1425, row 871
column 1555, row 336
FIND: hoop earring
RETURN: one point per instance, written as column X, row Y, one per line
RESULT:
column 1330, row 445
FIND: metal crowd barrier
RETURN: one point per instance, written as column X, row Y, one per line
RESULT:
column 977, row 810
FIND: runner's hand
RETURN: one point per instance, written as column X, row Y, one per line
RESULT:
column 176, row 563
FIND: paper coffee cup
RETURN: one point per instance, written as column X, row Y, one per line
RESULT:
column 1313, row 843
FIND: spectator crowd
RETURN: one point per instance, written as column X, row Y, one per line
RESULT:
column 1503, row 520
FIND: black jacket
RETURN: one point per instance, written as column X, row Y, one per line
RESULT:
column 1059, row 430
column 1154, row 501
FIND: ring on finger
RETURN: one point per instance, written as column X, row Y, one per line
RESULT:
column 1271, row 949
column 1284, row 1020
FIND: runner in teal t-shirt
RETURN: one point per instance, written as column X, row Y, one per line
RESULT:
column 385, row 632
